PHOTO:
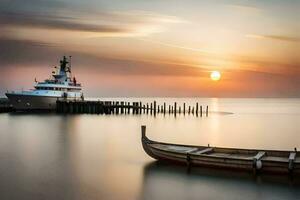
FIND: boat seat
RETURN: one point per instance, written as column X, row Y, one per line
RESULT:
column 275, row 158
column 174, row 148
column 259, row 155
column 203, row 151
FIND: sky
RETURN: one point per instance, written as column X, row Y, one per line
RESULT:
column 155, row 48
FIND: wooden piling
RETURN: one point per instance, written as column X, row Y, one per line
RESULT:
column 175, row 108
column 201, row 111
column 206, row 111
column 117, row 107
column 140, row 108
column 147, row 108
column 122, row 107
column 136, row 107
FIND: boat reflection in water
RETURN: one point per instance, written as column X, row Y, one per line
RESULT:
column 165, row 181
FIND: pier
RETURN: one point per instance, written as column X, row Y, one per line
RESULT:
column 124, row 107
column 119, row 108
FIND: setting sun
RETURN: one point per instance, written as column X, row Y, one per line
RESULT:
column 215, row 75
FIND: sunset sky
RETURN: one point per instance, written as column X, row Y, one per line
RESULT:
column 155, row 48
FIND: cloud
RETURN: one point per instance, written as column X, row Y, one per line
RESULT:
column 23, row 53
column 31, row 5
column 52, row 22
column 176, row 46
column 245, row 8
column 275, row 37
column 15, row 52
column 46, row 14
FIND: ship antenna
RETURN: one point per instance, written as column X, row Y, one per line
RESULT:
column 70, row 66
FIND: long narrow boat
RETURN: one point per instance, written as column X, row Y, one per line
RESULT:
column 242, row 159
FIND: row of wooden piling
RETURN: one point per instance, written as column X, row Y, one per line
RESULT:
column 122, row 107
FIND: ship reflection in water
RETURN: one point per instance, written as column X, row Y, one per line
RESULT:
column 165, row 181
column 84, row 156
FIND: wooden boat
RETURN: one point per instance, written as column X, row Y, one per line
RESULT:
column 241, row 159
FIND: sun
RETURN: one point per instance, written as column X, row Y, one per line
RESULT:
column 215, row 75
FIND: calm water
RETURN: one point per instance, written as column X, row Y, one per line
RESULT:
column 49, row 156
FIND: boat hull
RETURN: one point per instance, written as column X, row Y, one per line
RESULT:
column 30, row 102
column 269, row 161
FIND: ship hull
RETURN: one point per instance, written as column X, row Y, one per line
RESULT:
column 30, row 102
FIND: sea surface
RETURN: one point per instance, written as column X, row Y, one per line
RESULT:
column 85, row 156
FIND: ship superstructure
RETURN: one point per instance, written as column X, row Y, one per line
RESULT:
column 61, row 85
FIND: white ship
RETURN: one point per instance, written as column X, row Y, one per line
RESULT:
column 45, row 94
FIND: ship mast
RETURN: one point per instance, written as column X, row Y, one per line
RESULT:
column 70, row 67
